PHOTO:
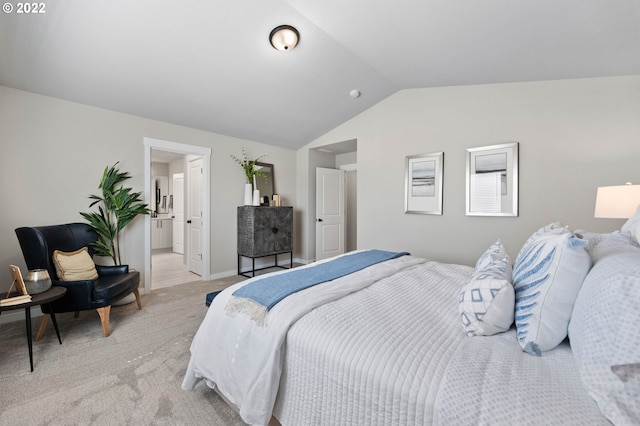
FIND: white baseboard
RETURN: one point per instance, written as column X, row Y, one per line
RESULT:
column 260, row 263
column 18, row 315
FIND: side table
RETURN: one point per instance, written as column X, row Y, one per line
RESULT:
column 44, row 298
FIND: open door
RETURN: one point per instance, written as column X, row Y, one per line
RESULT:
column 194, row 214
column 330, row 213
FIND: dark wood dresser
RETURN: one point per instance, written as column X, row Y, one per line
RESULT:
column 264, row 231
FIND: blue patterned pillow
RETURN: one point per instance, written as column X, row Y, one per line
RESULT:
column 487, row 299
column 547, row 276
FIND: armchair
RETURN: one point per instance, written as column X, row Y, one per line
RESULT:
column 113, row 282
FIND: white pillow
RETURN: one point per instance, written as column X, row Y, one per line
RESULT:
column 632, row 225
column 604, row 328
column 547, row 276
column 494, row 252
column 487, row 299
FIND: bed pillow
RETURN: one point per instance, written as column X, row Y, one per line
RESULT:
column 487, row 299
column 547, row 276
column 603, row 330
column 74, row 266
column 632, row 225
column 494, row 252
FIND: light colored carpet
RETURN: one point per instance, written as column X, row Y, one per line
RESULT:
column 131, row 377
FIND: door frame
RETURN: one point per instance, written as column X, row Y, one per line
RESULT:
column 205, row 153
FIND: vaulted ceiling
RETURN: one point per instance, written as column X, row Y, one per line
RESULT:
column 208, row 64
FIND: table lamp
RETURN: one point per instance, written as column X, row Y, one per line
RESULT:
column 617, row 202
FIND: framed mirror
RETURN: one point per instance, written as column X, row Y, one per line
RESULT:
column 160, row 194
column 265, row 183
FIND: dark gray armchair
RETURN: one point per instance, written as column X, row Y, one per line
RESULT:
column 113, row 282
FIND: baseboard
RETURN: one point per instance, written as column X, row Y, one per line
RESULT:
column 260, row 263
column 18, row 315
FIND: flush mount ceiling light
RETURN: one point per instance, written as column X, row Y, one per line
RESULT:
column 284, row 37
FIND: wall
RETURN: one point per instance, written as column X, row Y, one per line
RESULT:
column 574, row 135
column 54, row 153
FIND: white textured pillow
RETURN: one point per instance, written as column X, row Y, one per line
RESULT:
column 547, row 276
column 487, row 299
column 74, row 266
column 604, row 328
column 632, row 225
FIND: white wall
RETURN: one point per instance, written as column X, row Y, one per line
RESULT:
column 574, row 135
column 54, row 153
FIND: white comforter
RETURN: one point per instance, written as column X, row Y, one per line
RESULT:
column 244, row 360
column 384, row 346
column 375, row 357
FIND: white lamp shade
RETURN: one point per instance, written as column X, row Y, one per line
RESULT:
column 284, row 37
column 617, row 202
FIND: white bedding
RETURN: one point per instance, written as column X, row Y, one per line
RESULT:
column 384, row 346
column 243, row 360
column 336, row 374
column 490, row 381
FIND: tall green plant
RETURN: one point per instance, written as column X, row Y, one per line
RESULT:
column 248, row 165
column 117, row 207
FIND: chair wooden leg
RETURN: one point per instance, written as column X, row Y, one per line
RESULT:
column 138, row 299
column 104, row 319
column 43, row 326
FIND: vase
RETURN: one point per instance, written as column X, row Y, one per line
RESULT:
column 37, row 281
column 248, row 194
column 256, row 197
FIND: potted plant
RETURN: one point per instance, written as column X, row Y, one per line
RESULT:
column 250, row 172
column 117, row 207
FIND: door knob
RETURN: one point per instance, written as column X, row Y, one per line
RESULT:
column 319, row 220
column 188, row 221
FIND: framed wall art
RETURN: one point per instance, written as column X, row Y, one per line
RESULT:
column 492, row 180
column 423, row 183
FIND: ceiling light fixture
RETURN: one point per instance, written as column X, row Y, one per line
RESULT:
column 284, row 37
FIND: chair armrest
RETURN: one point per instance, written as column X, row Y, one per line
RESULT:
column 79, row 293
column 104, row 271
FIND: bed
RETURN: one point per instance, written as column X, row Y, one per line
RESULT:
column 393, row 343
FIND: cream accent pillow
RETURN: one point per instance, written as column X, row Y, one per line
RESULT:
column 74, row 266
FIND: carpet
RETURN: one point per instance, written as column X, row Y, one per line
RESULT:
column 131, row 377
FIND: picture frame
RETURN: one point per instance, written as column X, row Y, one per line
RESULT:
column 423, row 183
column 492, row 180
column 18, row 282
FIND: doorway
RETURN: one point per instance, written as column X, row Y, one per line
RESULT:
column 343, row 156
column 188, row 153
column 168, row 263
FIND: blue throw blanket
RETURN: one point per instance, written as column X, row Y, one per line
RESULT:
column 258, row 297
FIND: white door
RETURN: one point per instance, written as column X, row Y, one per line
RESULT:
column 178, row 213
column 194, row 214
column 330, row 213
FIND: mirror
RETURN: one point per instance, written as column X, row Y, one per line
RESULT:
column 265, row 183
column 160, row 194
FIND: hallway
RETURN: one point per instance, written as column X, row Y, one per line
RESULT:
column 168, row 270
